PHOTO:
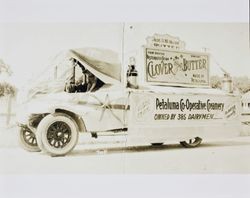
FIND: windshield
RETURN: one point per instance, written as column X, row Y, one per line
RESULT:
column 58, row 68
column 53, row 78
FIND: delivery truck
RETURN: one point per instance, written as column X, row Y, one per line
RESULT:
column 85, row 94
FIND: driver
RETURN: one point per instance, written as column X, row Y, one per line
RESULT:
column 91, row 80
column 87, row 82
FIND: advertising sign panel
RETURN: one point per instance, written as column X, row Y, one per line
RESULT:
column 165, row 41
column 181, row 68
column 178, row 110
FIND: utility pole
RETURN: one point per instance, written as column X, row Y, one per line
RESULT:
column 123, row 38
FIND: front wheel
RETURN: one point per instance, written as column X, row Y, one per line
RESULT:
column 27, row 140
column 58, row 134
column 191, row 143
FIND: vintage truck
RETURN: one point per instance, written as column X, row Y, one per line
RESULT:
column 55, row 109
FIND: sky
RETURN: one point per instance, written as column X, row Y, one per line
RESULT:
column 227, row 43
column 29, row 48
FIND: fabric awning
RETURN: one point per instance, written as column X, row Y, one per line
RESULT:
column 102, row 63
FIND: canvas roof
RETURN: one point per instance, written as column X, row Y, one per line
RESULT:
column 104, row 64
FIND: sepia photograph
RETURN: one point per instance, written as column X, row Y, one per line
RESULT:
column 149, row 91
column 129, row 97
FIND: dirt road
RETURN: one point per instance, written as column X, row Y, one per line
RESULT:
column 105, row 157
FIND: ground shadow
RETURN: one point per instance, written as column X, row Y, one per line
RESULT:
column 149, row 148
column 120, row 149
column 225, row 144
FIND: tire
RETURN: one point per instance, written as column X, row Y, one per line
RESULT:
column 157, row 144
column 192, row 142
column 57, row 134
column 27, row 140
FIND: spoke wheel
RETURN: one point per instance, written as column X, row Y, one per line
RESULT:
column 191, row 143
column 57, row 134
column 28, row 140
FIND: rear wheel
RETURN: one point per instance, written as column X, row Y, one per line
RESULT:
column 57, row 134
column 191, row 143
column 28, row 140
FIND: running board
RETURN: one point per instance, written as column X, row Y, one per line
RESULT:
column 108, row 133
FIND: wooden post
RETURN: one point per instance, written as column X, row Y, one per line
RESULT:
column 8, row 115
